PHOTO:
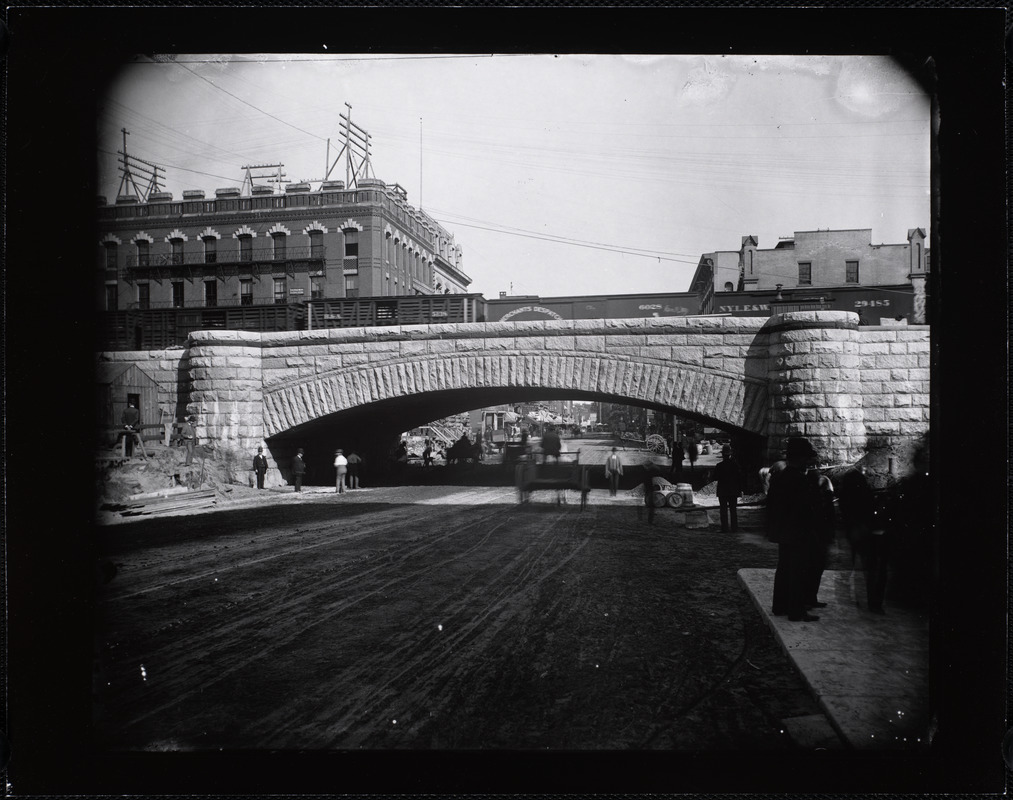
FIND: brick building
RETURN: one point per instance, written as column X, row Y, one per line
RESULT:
column 266, row 249
column 840, row 270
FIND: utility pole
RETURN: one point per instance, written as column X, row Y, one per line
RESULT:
column 149, row 170
column 355, row 149
column 275, row 177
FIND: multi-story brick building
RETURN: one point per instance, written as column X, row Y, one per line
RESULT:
column 265, row 250
column 841, row 270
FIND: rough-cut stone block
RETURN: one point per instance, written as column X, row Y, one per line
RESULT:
column 896, row 362
column 501, row 345
column 688, row 355
column 560, row 343
column 590, row 344
column 885, row 428
column 470, row 345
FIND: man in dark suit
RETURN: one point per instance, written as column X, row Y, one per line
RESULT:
column 260, row 466
column 728, row 475
column 131, row 420
column 298, row 469
column 792, row 511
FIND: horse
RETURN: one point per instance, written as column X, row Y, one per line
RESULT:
column 462, row 451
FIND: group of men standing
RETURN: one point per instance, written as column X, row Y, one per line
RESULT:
column 346, row 469
column 800, row 514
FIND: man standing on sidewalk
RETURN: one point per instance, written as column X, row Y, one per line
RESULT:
column 792, row 517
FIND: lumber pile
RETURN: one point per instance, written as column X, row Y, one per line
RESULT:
column 168, row 502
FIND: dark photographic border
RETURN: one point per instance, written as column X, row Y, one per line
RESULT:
column 58, row 61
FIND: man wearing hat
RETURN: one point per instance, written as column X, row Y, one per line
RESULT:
column 298, row 469
column 131, row 420
column 792, row 506
column 260, row 466
column 728, row 475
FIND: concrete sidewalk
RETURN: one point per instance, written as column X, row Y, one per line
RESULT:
column 868, row 672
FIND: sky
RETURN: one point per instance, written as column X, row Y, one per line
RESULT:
column 557, row 175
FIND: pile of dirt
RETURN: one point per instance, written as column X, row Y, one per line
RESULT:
column 162, row 469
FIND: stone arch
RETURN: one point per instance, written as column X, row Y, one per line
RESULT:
column 209, row 233
column 176, row 233
column 110, row 238
column 733, row 400
column 143, row 237
column 314, row 226
column 244, row 230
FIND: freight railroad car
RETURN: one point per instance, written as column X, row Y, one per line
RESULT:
column 532, row 307
column 395, row 310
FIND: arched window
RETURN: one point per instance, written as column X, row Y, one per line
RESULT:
column 210, row 249
column 143, row 252
column 729, row 287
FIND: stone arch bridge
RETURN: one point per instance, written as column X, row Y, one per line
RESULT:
column 855, row 392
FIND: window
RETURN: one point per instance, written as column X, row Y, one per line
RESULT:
column 279, row 246
column 280, row 291
column 246, row 292
column 805, row 273
column 177, row 294
column 316, row 244
column 210, row 293
column 728, row 286
column 177, row 250
column 351, row 286
column 316, row 288
column 351, row 243
column 110, row 255
column 143, row 257
column 210, row 250
column 112, row 296
column 143, row 295
column 851, row 272
column 246, row 248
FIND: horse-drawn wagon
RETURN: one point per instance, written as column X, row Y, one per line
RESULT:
column 535, row 474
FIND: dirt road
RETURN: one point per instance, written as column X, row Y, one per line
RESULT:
column 435, row 617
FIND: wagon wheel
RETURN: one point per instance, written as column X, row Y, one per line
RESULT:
column 656, row 443
column 658, row 499
column 675, row 500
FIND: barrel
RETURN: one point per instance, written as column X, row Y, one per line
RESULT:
column 686, row 490
column 659, row 498
column 674, row 500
